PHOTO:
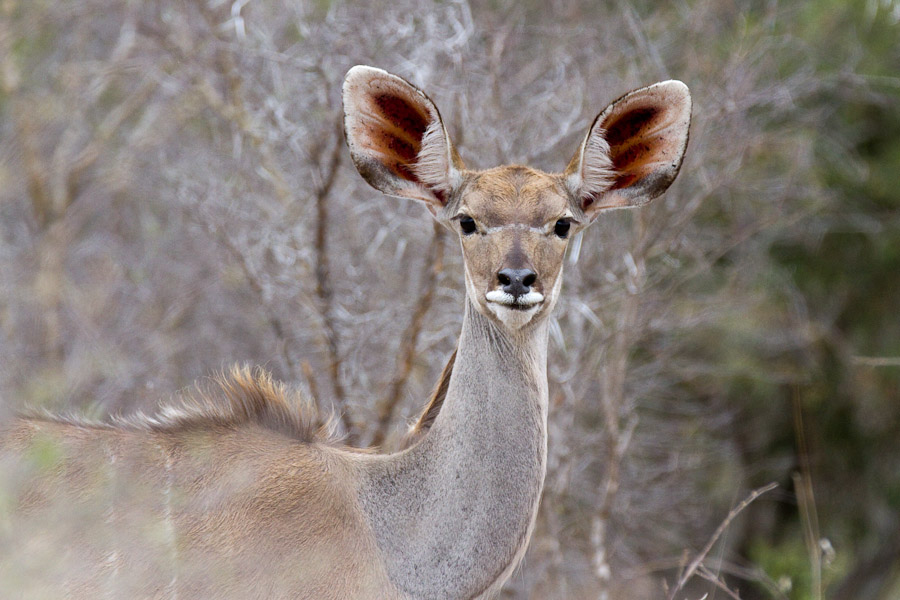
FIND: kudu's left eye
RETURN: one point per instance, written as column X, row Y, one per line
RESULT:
column 467, row 224
column 562, row 228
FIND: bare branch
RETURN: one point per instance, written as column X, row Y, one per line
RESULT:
column 36, row 170
column 877, row 361
column 275, row 323
column 107, row 128
column 712, row 578
column 323, row 289
column 698, row 560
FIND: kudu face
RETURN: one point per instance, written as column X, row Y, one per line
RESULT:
column 514, row 222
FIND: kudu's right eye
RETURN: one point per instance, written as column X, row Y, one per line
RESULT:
column 467, row 224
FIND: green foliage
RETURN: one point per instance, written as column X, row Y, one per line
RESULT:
column 787, row 564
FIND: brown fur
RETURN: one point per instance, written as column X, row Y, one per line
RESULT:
column 241, row 498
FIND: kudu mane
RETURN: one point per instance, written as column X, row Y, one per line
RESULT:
column 241, row 397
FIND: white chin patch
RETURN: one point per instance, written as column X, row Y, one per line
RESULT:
column 513, row 313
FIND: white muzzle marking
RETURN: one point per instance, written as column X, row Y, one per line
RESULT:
column 500, row 297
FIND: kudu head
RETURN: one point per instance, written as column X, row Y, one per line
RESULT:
column 514, row 222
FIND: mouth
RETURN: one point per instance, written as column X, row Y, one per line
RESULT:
column 524, row 302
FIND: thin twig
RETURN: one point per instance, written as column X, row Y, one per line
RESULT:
column 698, row 560
column 752, row 574
column 275, row 323
column 877, row 361
column 308, row 373
column 647, row 48
column 712, row 578
column 806, row 500
column 631, row 323
column 36, row 170
column 107, row 128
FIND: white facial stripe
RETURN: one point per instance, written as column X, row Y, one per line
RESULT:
column 501, row 297
column 521, row 226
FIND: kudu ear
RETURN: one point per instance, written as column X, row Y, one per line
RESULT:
column 397, row 139
column 633, row 150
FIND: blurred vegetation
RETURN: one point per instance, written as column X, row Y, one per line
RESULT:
column 846, row 269
column 174, row 198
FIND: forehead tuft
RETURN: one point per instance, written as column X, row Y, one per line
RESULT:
column 515, row 194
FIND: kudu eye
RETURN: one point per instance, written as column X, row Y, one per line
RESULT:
column 467, row 224
column 561, row 228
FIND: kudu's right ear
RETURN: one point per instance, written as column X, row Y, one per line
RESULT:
column 397, row 139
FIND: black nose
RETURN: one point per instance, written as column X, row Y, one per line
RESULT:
column 516, row 282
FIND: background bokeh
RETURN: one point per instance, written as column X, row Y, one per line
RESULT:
column 176, row 196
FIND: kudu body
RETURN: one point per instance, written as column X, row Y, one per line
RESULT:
column 233, row 495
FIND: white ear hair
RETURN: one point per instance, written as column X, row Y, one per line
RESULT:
column 594, row 173
column 633, row 150
column 434, row 163
column 397, row 139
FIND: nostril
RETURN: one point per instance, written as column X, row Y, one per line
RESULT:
column 516, row 281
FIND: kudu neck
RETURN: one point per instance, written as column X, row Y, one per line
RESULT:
column 521, row 353
column 455, row 511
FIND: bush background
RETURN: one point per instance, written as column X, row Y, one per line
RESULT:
column 176, row 196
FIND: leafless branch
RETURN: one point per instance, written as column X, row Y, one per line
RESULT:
column 714, row 579
column 279, row 329
column 877, row 361
column 701, row 556
column 324, row 293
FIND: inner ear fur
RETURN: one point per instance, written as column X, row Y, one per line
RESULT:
column 397, row 139
column 633, row 150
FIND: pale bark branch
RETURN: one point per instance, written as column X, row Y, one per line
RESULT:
column 324, row 292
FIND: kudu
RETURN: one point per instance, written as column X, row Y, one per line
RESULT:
column 233, row 494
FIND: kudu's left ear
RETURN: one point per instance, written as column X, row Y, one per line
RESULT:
column 397, row 139
column 633, row 150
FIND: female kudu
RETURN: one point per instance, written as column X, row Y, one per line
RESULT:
column 233, row 494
